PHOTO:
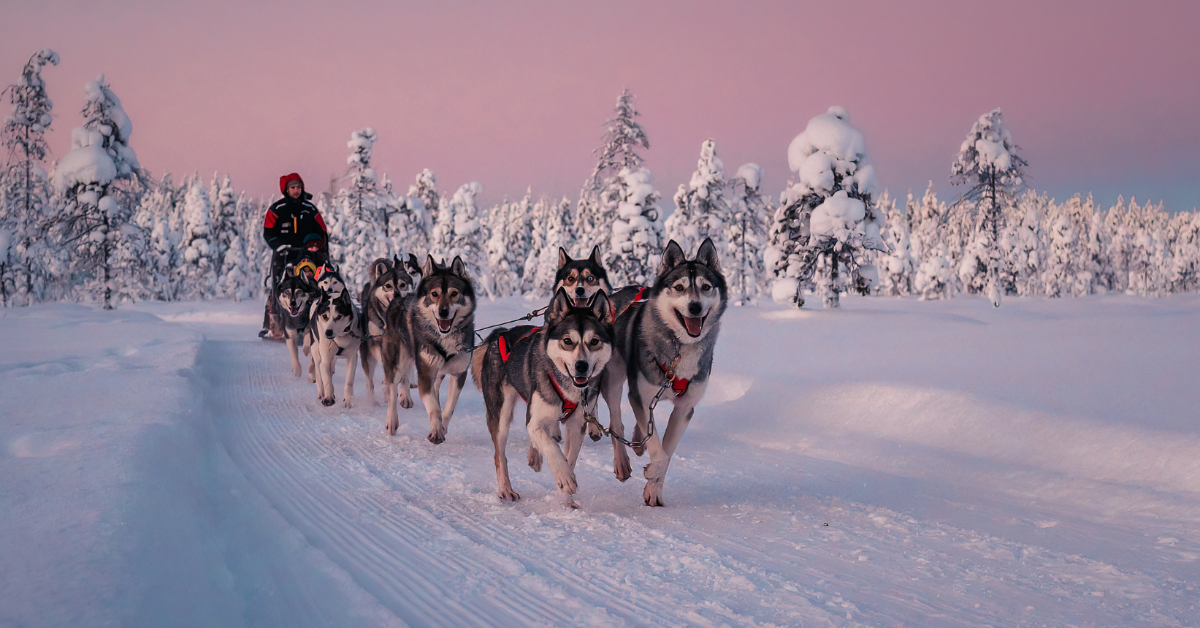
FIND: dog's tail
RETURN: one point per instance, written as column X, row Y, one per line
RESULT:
column 480, row 354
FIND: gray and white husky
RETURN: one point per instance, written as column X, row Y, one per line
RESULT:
column 334, row 332
column 556, row 369
column 295, row 295
column 388, row 281
column 665, row 347
column 581, row 278
column 434, row 328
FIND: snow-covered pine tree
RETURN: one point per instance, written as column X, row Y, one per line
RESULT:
column 198, row 270
column 256, row 275
column 24, row 187
column 637, row 231
column 407, row 223
column 224, row 225
column 357, row 232
column 827, row 219
column 896, row 268
column 988, row 162
column 700, row 207
column 160, row 253
column 606, row 189
column 462, row 233
column 96, row 204
column 1022, row 246
column 1097, row 261
column 559, row 219
column 1185, row 252
column 935, row 276
column 746, row 235
column 500, row 278
column 539, row 217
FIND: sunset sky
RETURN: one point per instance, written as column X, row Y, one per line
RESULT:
column 1102, row 97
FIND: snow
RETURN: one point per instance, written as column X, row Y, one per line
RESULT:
column 86, row 163
column 898, row 463
column 838, row 216
column 831, row 144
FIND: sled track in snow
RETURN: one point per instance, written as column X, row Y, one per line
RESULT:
column 396, row 515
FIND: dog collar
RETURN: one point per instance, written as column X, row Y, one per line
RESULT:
column 679, row 385
column 568, row 407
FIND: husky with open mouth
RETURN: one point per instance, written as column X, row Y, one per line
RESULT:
column 435, row 328
column 581, row 278
column 556, row 369
column 295, row 295
column 665, row 340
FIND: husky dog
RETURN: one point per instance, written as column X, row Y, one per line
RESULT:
column 581, row 278
column 663, row 343
column 334, row 332
column 295, row 294
column 435, row 328
column 388, row 281
column 556, row 369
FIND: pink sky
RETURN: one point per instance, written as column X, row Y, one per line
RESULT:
column 1101, row 96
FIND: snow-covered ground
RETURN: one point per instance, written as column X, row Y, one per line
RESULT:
column 895, row 463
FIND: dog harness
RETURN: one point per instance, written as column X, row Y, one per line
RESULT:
column 568, row 407
column 679, row 385
column 505, row 354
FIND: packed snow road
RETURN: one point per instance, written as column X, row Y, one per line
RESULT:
column 896, row 463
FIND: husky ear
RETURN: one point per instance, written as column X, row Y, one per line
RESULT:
column 429, row 267
column 672, row 257
column 602, row 307
column 458, row 267
column 595, row 256
column 559, row 306
column 707, row 255
column 563, row 258
column 414, row 265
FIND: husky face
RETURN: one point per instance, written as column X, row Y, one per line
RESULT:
column 581, row 278
column 392, row 283
column 295, row 294
column 329, row 280
column 445, row 295
column 579, row 339
column 333, row 318
column 690, row 295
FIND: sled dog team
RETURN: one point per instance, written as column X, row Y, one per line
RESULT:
column 660, row 339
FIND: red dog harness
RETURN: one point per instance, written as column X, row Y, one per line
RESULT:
column 678, row 384
column 568, row 407
column 502, row 343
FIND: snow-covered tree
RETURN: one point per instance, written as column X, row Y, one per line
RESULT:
column 460, row 232
column 89, row 223
column 988, row 163
column 827, row 219
column 700, row 207
column 508, row 245
column 1184, row 274
column 896, row 268
column 558, row 235
column 539, row 218
column 198, row 271
column 637, row 231
column 359, row 217
column 224, row 223
column 407, row 225
column 24, row 186
column 606, row 189
column 746, row 235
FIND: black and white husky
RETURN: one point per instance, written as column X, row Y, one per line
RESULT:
column 295, row 295
column 434, row 328
column 388, row 281
column 556, row 369
column 581, row 278
column 334, row 332
column 665, row 342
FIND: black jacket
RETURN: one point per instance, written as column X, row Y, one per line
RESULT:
column 289, row 220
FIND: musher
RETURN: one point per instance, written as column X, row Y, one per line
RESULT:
column 295, row 231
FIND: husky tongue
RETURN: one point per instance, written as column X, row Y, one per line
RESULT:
column 445, row 325
column 693, row 325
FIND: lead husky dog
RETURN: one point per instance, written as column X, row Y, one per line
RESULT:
column 388, row 281
column 556, row 369
column 581, row 278
column 665, row 346
column 295, row 294
column 334, row 332
column 435, row 328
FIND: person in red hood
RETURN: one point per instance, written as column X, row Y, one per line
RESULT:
column 292, row 225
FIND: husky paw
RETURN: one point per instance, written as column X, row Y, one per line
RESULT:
column 406, row 402
column 535, row 459
column 328, row 402
column 509, row 495
column 297, row 371
column 391, row 426
column 349, row 403
column 621, row 467
column 654, row 471
column 637, row 436
column 652, row 494
column 571, row 504
column 437, row 436
column 594, row 431
column 566, row 482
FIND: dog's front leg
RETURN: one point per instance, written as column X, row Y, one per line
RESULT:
column 639, row 399
column 455, row 389
column 326, row 355
column 611, row 387
column 368, row 367
column 351, row 369
column 405, row 394
column 309, row 349
column 429, row 385
column 543, row 427
column 499, row 420
column 297, row 370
